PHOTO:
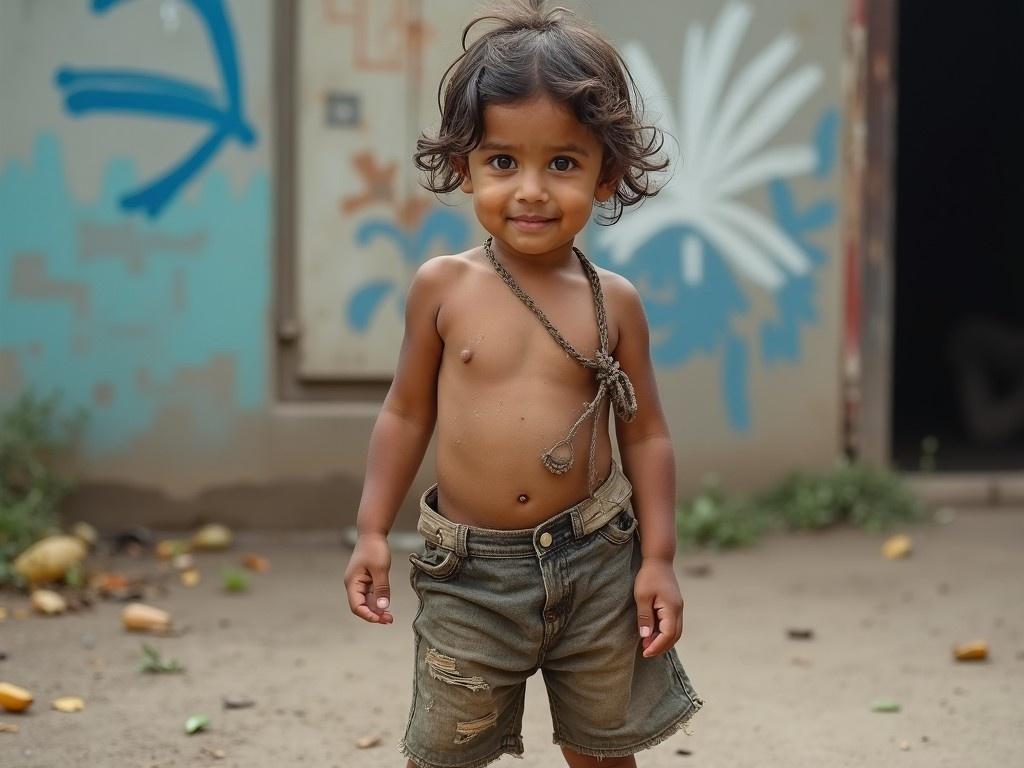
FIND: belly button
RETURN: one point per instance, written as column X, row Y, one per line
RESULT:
column 523, row 498
column 466, row 355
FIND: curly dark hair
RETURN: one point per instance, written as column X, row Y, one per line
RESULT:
column 535, row 51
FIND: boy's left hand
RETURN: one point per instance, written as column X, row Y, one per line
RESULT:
column 659, row 607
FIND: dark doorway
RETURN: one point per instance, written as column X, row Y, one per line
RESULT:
column 958, row 367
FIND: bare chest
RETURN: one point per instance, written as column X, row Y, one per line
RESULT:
column 491, row 336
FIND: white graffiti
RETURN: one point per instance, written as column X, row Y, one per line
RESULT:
column 721, row 130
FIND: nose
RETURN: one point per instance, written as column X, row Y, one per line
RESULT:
column 531, row 188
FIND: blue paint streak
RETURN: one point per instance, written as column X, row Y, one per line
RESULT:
column 133, row 323
column 736, row 382
column 448, row 230
column 118, row 91
column 795, row 300
column 364, row 303
column 826, row 138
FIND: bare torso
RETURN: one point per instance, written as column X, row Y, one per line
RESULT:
column 507, row 392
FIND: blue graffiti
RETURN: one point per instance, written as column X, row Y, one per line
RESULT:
column 147, row 329
column 448, row 228
column 690, row 319
column 150, row 93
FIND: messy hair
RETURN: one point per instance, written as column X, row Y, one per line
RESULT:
column 531, row 51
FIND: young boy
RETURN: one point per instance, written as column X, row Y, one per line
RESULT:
column 539, row 553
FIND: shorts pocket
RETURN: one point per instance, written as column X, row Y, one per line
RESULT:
column 437, row 563
column 620, row 529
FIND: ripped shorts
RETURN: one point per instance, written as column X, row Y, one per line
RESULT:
column 496, row 606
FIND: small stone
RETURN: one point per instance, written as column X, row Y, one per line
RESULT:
column 904, row 745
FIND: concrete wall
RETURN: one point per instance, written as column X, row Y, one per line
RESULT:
column 140, row 262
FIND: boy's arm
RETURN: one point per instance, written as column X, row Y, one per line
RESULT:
column 649, row 463
column 399, row 439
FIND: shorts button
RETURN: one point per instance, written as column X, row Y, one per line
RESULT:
column 551, row 616
column 545, row 539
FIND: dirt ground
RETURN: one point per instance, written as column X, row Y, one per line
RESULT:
column 321, row 680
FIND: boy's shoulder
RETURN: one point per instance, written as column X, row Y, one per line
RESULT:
column 617, row 290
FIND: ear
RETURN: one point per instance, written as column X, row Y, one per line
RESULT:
column 605, row 189
column 462, row 168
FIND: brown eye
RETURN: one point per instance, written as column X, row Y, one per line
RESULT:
column 502, row 162
column 563, row 163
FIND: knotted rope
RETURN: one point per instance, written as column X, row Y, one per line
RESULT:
column 612, row 381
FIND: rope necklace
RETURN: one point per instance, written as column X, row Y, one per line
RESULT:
column 612, row 381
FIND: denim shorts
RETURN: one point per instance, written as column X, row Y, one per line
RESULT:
column 495, row 606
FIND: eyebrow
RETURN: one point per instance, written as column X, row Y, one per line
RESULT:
column 497, row 145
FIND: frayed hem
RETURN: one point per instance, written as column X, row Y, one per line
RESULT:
column 515, row 749
column 672, row 729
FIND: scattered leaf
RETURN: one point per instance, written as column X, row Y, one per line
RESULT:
column 154, row 663
column 48, row 603
column 366, row 742
column 212, row 536
column 698, row 570
column 68, row 704
column 885, row 705
column 14, row 698
column 9, row 728
column 216, row 754
column 973, row 651
column 3, row 613
column 145, row 618
column 196, row 723
column 255, row 562
column 801, row 633
column 234, row 579
column 897, row 547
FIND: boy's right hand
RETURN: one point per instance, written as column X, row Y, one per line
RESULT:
column 366, row 579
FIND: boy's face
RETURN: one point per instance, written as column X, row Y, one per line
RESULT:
column 535, row 175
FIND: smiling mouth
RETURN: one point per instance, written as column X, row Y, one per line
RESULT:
column 530, row 222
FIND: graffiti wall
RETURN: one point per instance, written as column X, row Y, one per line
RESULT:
column 137, row 223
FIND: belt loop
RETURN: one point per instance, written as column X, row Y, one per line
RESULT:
column 461, row 534
column 577, row 523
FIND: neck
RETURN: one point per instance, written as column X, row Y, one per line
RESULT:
column 548, row 261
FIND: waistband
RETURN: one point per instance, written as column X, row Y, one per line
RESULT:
column 608, row 500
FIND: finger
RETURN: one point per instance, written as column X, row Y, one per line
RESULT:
column 357, row 590
column 381, row 590
column 645, row 620
column 666, row 636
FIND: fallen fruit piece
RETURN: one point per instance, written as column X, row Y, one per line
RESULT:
column 212, row 536
column 190, row 577
column 256, row 563
column 885, row 705
column 367, row 741
column 145, row 618
column 8, row 728
column 68, row 704
column 48, row 603
column 50, row 558
column 13, row 698
column 974, row 651
column 196, row 723
column 896, row 547
column 183, row 562
column 85, row 532
column 168, row 548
